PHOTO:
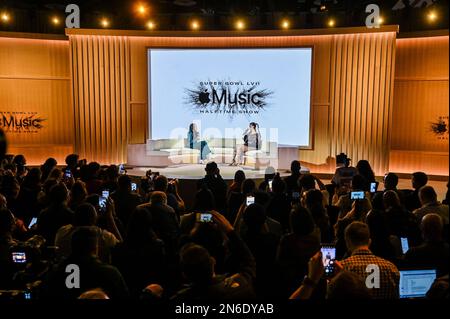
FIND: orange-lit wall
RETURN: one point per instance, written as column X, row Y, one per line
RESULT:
column 35, row 77
column 420, row 98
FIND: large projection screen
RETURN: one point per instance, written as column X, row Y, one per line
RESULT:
column 223, row 90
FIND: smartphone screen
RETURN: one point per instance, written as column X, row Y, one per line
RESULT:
column 373, row 187
column 204, row 218
column 19, row 257
column 102, row 203
column 357, row 195
column 328, row 257
column 250, row 200
column 133, row 186
column 405, row 245
column 121, row 169
column 105, row 194
column 33, row 221
column 270, row 185
column 68, row 174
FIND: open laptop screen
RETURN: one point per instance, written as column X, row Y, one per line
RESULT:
column 416, row 283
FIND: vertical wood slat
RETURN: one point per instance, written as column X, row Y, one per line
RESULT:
column 101, row 97
column 361, row 97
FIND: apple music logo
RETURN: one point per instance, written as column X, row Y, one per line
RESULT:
column 228, row 97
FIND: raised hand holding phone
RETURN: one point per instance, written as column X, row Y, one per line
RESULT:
column 315, row 267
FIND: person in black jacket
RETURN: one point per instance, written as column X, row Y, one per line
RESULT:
column 92, row 272
column 164, row 221
column 199, row 269
column 141, row 258
column 56, row 215
column 434, row 252
column 214, row 182
column 292, row 180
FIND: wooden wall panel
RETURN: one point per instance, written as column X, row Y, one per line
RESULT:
column 101, row 83
column 420, row 99
column 361, row 97
column 35, row 77
column 361, row 77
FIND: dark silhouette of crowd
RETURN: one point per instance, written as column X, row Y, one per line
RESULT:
column 143, row 242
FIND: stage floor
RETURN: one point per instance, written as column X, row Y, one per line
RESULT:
column 197, row 171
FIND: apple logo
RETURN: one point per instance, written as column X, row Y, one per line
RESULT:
column 203, row 97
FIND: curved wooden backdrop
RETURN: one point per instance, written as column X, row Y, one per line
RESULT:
column 372, row 93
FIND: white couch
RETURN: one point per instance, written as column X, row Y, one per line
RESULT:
column 166, row 152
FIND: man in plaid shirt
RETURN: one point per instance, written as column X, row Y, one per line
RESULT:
column 363, row 262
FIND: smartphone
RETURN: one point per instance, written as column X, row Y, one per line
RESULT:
column 33, row 221
column 27, row 295
column 19, row 257
column 105, row 194
column 204, row 218
column 121, row 169
column 133, row 187
column 250, row 200
column 357, row 195
column 405, row 244
column 373, row 187
column 270, row 185
column 102, row 203
column 328, row 258
column 67, row 174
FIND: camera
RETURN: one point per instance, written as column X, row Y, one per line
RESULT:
column 357, row 195
column 26, row 252
column 204, row 218
column 19, row 257
column 342, row 159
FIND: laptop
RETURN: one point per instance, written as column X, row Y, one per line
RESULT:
column 416, row 283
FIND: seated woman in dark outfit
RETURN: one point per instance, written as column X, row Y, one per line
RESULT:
column 195, row 143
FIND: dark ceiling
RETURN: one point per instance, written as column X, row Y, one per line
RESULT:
column 35, row 15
